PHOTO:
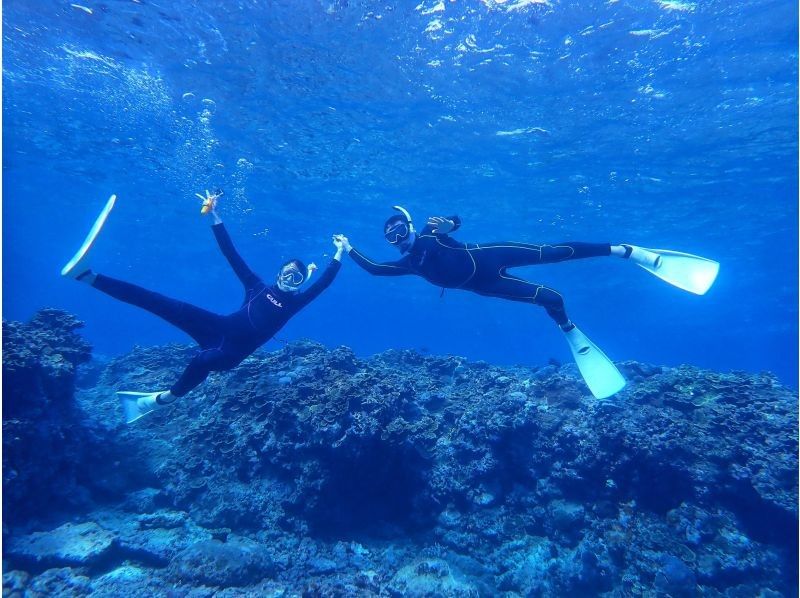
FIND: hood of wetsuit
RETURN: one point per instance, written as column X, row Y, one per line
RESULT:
column 291, row 276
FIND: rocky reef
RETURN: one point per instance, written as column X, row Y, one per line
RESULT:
column 308, row 471
column 43, row 439
column 58, row 458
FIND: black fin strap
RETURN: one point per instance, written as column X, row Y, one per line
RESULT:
column 160, row 402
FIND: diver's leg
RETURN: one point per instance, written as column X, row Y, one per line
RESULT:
column 516, row 289
column 601, row 375
column 203, row 326
column 510, row 254
column 138, row 404
column 197, row 371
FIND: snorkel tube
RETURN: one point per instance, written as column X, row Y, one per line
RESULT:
column 405, row 213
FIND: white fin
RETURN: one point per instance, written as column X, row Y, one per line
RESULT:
column 136, row 405
column 72, row 268
column 601, row 375
column 686, row 271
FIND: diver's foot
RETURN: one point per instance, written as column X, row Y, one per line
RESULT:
column 138, row 404
column 78, row 269
column 643, row 257
column 87, row 275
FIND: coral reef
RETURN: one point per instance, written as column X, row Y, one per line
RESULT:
column 308, row 470
column 42, row 436
column 56, row 457
column 40, row 359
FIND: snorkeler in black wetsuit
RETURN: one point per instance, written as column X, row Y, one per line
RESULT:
column 483, row 269
column 225, row 340
column 480, row 268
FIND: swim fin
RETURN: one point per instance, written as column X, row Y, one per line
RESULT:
column 601, row 375
column 138, row 404
column 77, row 265
column 686, row 271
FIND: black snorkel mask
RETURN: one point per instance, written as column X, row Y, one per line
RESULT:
column 401, row 229
column 397, row 233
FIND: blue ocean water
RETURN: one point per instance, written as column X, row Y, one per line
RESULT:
column 307, row 471
column 663, row 123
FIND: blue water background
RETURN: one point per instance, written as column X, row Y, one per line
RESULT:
column 660, row 123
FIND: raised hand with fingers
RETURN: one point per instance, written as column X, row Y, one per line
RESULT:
column 210, row 204
column 441, row 226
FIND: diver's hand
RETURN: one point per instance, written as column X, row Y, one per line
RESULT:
column 341, row 242
column 210, row 204
column 441, row 226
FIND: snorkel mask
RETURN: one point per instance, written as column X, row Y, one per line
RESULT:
column 398, row 229
column 292, row 276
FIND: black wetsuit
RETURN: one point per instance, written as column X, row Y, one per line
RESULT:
column 225, row 340
column 482, row 268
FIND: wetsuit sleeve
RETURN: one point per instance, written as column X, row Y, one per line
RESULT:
column 246, row 275
column 428, row 230
column 398, row 268
column 322, row 283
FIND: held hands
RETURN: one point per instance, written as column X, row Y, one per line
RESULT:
column 342, row 244
column 441, row 226
column 210, row 204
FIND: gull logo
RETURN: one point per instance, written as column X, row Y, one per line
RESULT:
column 274, row 301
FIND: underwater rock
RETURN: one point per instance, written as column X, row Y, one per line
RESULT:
column 237, row 562
column 565, row 519
column 48, row 444
column 429, row 577
column 59, row 582
column 14, row 583
column 354, row 446
column 76, row 545
column 675, row 578
column 158, row 538
column 150, row 538
column 463, row 476
column 145, row 500
column 129, row 580
column 40, row 358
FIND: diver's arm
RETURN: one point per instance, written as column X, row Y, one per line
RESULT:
column 245, row 274
column 248, row 278
column 398, row 268
column 324, row 281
